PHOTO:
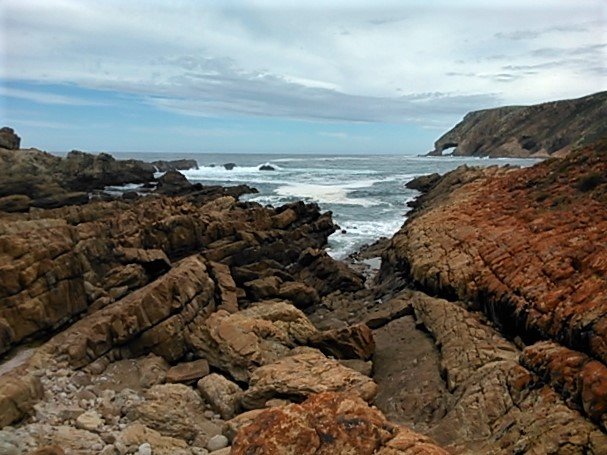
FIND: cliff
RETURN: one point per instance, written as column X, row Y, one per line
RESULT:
column 541, row 130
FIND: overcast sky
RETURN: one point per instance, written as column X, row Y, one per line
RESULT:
column 280, row 76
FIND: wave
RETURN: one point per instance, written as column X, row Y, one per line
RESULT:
column 327, row 194
column 322, row 158
column 357, row 233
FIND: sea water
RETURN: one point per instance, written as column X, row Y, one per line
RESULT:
column 366, row 194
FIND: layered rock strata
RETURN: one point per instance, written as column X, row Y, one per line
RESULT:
column 525, row 247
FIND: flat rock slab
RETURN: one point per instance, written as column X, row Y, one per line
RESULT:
column 407, row 371
column 188, row 371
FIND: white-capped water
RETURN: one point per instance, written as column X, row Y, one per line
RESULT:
column 366, row 194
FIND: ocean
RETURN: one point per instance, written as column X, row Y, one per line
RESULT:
column 366, row 194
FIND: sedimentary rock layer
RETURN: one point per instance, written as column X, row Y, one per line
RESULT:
column 525, row 246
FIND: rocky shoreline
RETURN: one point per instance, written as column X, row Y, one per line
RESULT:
column 187, row 322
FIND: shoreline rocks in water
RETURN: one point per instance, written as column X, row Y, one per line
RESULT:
column 189, row 322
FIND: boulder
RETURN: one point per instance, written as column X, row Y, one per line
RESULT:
column 320, row 271
column 353, row 342
column 238, row 343
column 147, row 320
column 304, row 372
column 137, row 434
column 302, row 295
column 423, row 183
column 174, row 165
column 266, row 167
column 263, row 288
column 176, row 411
column 9, row 139
column 223, row 395
column 229, row 166
column 15, row 203
column 173, row 183
column 335, row 423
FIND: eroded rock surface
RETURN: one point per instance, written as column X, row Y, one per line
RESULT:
column 329, row 423
column 524, row 246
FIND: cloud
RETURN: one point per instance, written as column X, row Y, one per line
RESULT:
column 47, row 98
column 517, row 35
column 42, row 124
column 351, row 62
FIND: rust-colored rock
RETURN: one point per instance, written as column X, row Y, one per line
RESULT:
column 526, row 246
column 328, row 423
column 581, row 380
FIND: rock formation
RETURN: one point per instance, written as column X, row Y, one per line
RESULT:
column 187, row 322
column 524, row 247
column 547, row 129
column 8, row 139
column 174, row 165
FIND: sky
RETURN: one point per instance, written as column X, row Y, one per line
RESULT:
column 284, row 76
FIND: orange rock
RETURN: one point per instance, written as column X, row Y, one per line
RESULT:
column 328, row 423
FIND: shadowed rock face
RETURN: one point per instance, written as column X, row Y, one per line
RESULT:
column 548, row 129
column 527, row 247
column 8, row 139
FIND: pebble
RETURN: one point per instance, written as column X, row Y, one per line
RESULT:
column 144, row 449
column 121, row 448
column 217, row 442
column 108, row 450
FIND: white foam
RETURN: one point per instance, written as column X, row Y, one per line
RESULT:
column 360, row 232
column 323, row 158
column 327, row 194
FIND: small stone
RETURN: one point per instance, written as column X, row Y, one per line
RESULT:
column 222, row 394
column 144, row 449
column 121, row 448
column 89, row 420
column 217, row 442
column 109, row 450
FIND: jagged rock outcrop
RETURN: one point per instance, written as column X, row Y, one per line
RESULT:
column 541, row 130
column 33, row 178
column 8, row 139
column 174, row 165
